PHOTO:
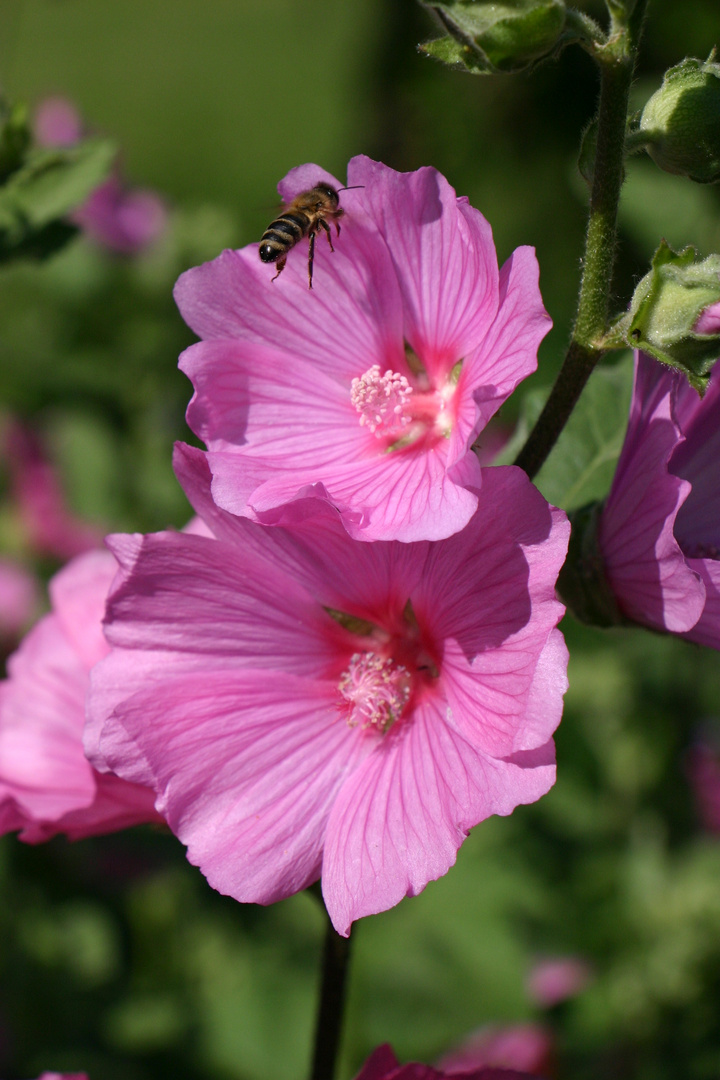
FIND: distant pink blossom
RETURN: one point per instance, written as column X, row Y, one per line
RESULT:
column 660, row 528
column 526, row 1047
column 57, row 123
column 383, row 1065
column 556, row 978
column 19, row 599
column 62, row 1076
column 121, row 218
column 51, row 527
column 46, row 784
column 370, row 390
column 305, row 704
column 118, row 217
column 703, row 771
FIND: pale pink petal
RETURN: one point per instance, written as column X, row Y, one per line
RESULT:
column 191, row 596
column 19, row 598
column 443, row 253
column 401, row 816
column 352, row 315
column 256, row 399
column 78, row 593
column 117, row 805
column 42, row 765
column 496, row 624
column 403, row 496
column 645, row 565
column 303, row 178
column 509, row 352
column 247, row 769
column 276, row 428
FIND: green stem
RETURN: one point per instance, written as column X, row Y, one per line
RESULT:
column 616, row 60
column 331, row 1006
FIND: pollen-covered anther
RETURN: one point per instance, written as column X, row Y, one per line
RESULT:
column 381, row 400
column 377, row 690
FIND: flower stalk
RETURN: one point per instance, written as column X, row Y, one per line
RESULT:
column 331, row 1004
column 616, row 60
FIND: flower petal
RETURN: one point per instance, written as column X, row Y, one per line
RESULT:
column 645, row 565
column 443, row 253
column 401, row 816
column 495, row 624
column 353, row 314
column 247, row 769
column 509, row 352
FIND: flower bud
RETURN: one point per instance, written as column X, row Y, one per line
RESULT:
column 674, row 315
column 490, row 37
column 682, row 121
column 583, row 585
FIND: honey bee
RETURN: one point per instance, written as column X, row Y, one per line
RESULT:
column 304, row 216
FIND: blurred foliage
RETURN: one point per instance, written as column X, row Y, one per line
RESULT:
column 115, row 956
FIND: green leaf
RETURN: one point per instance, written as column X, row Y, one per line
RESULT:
column 508, row 36
column 455, row 54
column 15, row 138
column 582, row 463
column 49, row 184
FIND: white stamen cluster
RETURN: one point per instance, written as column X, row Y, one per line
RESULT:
column 377, row 689
column 381, row 400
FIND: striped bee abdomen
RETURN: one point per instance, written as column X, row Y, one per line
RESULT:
column 282, row 234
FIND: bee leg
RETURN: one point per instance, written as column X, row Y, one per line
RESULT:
column 311, row 256
column 326, row 227
column 280, row 264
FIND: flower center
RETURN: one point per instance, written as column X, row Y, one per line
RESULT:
column 402, row 414
column 381, row 400
column 376, row 689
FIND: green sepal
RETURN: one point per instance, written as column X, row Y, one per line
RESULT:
column 681, row 121
column 665, row 308
column 47, row 186
column 582, row 583
column 621, row 9
column 353, row 623
column 488, row 38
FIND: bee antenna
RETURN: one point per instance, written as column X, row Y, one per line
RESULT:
column 353, row 187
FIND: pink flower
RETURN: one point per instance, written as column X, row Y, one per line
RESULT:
column 120, row 218
column 660, row 529
column 19, row 599
column 369, row 390
column 62, row 1076
column 51, row 528
column 46, row 784
column 703, row 771
column 527, row 1047
column 57, row 123
column 383, row 1065
column 306, row 704
column 557, row 978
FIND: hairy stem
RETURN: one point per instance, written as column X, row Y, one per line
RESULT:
column 616, row 60
column 331, row 1006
